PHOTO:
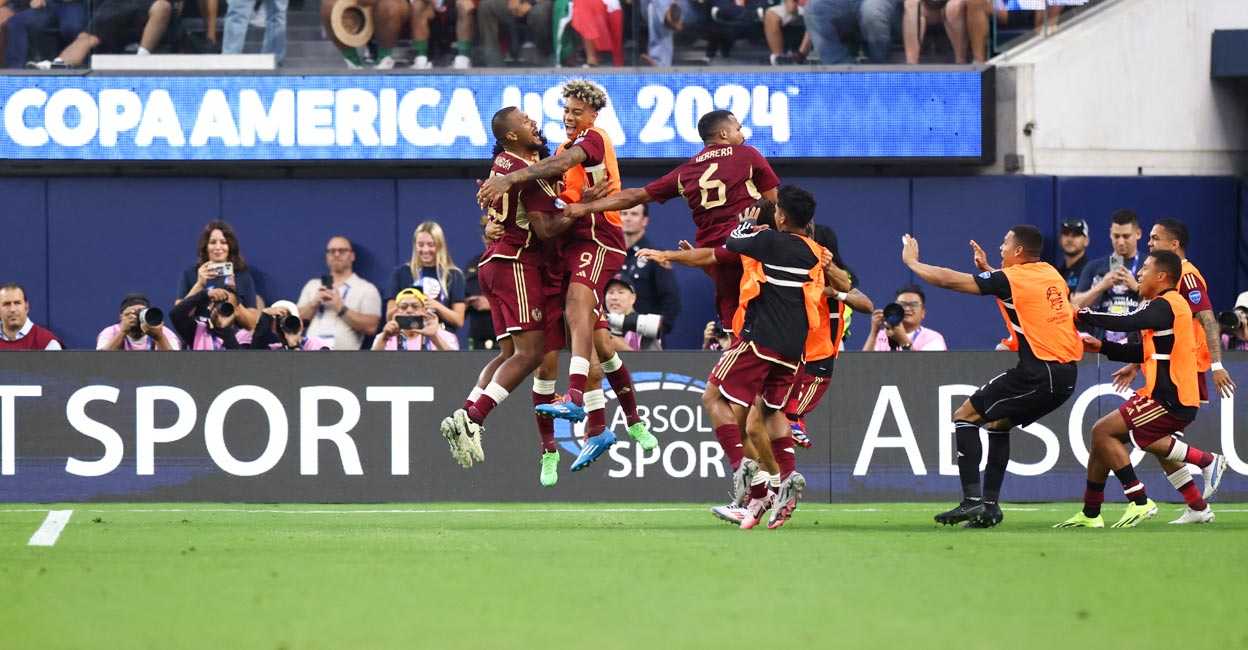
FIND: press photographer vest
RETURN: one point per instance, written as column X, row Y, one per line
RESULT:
column 1182, row 355
column 819, row 343
column 1045, row 317
column 578, row 178
column 1203, row 360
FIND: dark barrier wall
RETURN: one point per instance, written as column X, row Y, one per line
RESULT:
column 363, row 427
column 80, row 244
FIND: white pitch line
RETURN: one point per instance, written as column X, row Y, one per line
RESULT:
column 51, row 528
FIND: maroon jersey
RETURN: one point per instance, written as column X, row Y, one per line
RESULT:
column 718, row 184
column 512, row 211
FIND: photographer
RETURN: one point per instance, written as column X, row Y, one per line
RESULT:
column 140, row 327
column 1234, row 325
column 899, row 326
column 280, row 328
column 413, row 326
column 630, row 330
column 715, row 338
column 217, row 330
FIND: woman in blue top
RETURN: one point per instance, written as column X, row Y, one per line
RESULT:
column 218, row 244
column 432, row 271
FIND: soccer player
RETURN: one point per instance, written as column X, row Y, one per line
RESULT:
column 593, row 251
column 1155, row 417
column 511, row 275
column 777, row 324
column 1172, row 235
column 724, row 179
column 1032, row 296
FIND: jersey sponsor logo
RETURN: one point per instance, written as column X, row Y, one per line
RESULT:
column 1194, row 296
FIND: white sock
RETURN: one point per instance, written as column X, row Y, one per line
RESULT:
column 544, row 386
column 496, row 392
column 773, row 480
column 143, row 51
column 578, row 366
column 1178, row 453
column 612, row 364
column 476, row 392
column 760, row 477
column 1180, row 477
column 595, row 400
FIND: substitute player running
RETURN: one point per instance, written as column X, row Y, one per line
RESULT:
column 593, row 251
column 1032, row 296
column 724, row 179
column 1155, row 417
column 778, row 322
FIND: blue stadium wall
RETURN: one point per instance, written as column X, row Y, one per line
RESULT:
column 79, row 244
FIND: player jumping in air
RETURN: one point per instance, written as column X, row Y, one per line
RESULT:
column 1032, row 296
column 593, row 251
column 1155, row 417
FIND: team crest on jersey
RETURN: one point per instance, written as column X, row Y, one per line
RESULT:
column 1055, row 297
column 642, row 262
column 536, row 314
column 1194, row 296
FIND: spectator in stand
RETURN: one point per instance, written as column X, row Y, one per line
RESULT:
column 715, row 338
column 480, row 320
column 428, row 15
column 280, row 328
column 414, row 327
column 601, row 26
column 218, row 246
column 536, row 15
column 1108, row 285
column 239, row 15
column 389, row 19
column 114, row 25
column 17, row 331
column 663, row 18
column 619, row 299
column 432, row 271
column 655, row 289
column 909, row 334
column 787, row 13
column 829, row 22
column 1073, row 238
column 342, row 308
column 69, row 17
column 217, row 331
column 951, row 13
column 9, row 8
column 135, row 332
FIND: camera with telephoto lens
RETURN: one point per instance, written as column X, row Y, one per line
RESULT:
column 292, row 324
column 151, row 316
column 894, row 314
column 223, row 308
column 410, row 323
column 1228, row 321
column 647, row 325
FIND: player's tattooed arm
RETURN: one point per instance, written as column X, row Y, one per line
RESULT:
column 1221, row 378
column 551, row 167
column 939, row 276
column 859, row 302
column 622, row 200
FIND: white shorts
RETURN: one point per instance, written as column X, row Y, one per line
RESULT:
column 786, row 18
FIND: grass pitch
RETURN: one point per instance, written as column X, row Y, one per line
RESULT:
column 612, row 576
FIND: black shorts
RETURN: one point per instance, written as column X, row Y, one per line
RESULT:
column 118, row 23
column 1026, row 393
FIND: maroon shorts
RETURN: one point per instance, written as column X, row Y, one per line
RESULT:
column 747, row 370
column 726, row 275
column 593, row 253
column 808, row 390
column 556, row 331
column 517, row 297
column 1203, row 385
column 1149, row 421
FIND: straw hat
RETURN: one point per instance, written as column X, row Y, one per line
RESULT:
column 352, row 24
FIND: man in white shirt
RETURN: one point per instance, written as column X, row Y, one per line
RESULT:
column 132, row 332
column 341, row 307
